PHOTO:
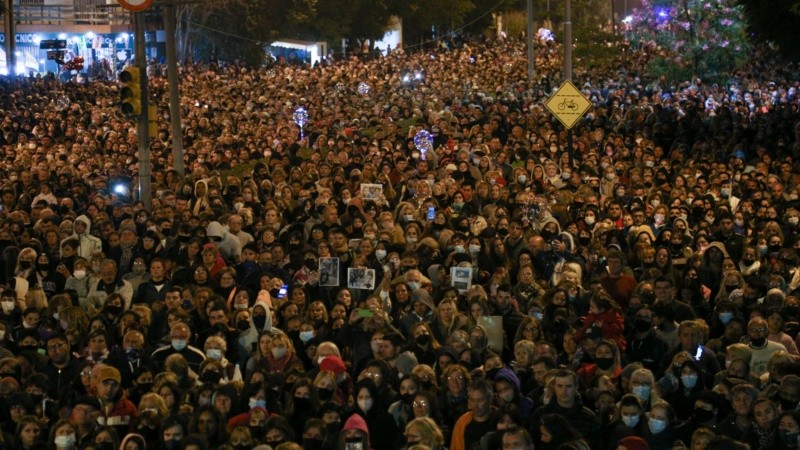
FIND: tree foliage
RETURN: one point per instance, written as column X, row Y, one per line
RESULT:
column 705, row 38
column 424, row 20
column 238, row 29
column 775, row 21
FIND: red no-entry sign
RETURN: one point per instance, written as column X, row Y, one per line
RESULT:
column 135, row 5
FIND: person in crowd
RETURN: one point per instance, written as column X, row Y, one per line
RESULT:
column 653, row 254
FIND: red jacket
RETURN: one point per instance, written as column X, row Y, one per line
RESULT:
column 613, row 326
column 121, row 415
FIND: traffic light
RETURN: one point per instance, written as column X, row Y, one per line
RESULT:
column 131, row 91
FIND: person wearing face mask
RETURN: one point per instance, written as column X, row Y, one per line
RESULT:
column 660, row 431
column 644, row 346
column 690, row 384
column 281, row 355
column 762, row 348
column 173, row 433
column 703, row 415
column 215, row 349
column 630, row 421
column 62, row 434
column 384, row 434
column 179, row 337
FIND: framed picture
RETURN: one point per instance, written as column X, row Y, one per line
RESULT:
column 329, row 271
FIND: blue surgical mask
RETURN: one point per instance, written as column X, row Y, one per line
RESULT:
column 689, row 381
column 306, row 336
column 656, row 425
column 725, row 317
column 630, row 421
column 643, row 392
column 179, row 344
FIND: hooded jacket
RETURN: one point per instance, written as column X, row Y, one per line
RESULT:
column 356, row 422
column 230, row 247
column 89, row 244
column 525, row 404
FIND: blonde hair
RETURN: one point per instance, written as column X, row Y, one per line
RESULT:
column 152, row 400
column 428, row 430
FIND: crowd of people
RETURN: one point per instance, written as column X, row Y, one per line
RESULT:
column 631, row 285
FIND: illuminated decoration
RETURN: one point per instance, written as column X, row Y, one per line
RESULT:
column 423, row 140
column 62, row 102
column 300, row 117
column 363, row 88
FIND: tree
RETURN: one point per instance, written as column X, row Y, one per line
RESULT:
column 238, row 29
column 424, row 20
column 776, row 21
column 691, row 38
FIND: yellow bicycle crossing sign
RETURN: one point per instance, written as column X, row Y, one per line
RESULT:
column 568, row 104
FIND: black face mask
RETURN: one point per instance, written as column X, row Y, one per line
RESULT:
column 243, row 324
column 25, row 265
column 325, row 394
column 302, row 404
column 407, row 398
column 758, row 342
column 259, row 322
column 703, row 415
column 144, row 387
column 548, row 235
column 787, row 404
column 604, row 363
column 211, row 377
column 423, row 339
column 642, row 325
column 312, row 444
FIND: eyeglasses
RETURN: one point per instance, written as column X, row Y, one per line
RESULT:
column 455, row 378
column 56, row 346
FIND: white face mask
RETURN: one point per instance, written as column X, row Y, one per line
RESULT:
column 380, row 254
column 474, row 249
column 214, row 353
column 365, row 404
column 278, row 352
column 589, row 220
column 65, row 441
column 7, row 306
column 79, row 273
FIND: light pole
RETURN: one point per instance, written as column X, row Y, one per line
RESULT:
column 568, row 40
column 531, row 71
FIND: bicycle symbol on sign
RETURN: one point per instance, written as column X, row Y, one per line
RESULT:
column 567, row 104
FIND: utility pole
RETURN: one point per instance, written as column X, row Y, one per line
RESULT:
column 145, row 190
column 568, row 41
column 531, row 57
column 172, row 79
column 10, row 28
